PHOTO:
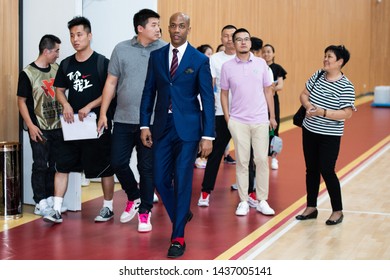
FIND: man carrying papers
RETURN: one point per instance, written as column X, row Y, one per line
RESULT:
column 80, row 74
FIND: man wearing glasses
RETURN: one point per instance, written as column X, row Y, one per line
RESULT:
column 250, row 84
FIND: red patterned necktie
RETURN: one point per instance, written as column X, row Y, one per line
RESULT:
column 174, row 65
column 175, row 62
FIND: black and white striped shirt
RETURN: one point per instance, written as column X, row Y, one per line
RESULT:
column 330, row 95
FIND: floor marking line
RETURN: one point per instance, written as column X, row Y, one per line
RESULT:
column 322, row 199
column 272, row 225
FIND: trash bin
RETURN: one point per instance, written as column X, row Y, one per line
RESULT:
column 10, row 181
column 382, row 96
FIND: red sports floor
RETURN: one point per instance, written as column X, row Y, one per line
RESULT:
column 213, row 230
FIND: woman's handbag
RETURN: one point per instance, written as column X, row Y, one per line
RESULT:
column 299, row 116
column 301, row 113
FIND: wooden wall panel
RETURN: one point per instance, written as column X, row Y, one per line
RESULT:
column 300, row 30
column 9, row 69
column 380, row 44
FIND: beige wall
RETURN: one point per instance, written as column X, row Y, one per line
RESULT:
column 299, row 30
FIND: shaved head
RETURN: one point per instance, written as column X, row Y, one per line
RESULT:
column 180, row 15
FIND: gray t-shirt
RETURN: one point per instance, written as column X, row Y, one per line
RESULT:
column 129, row 63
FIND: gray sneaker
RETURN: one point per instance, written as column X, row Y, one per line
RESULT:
column 53, row 217
column 105, row 215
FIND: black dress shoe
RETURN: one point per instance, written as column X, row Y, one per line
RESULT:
column 335, row 222
column 176, row 250
column 312, row 215
column 189, row 216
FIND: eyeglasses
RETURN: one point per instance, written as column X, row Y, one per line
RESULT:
column 240, row 40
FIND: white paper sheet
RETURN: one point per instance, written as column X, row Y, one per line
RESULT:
column 79, row 130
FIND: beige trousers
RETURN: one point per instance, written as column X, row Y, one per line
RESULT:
column 245, row 135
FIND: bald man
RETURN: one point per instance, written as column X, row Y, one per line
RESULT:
column 178, row 72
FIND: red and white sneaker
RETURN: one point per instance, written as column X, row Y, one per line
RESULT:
column 130, row 210
column 144, row 224
column 252, row 200
column 204, row 199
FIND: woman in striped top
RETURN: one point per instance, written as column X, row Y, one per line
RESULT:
column 329, row 100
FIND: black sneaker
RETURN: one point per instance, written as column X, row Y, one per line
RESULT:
column 104, row 215
column 53, row 217
column 229, row 160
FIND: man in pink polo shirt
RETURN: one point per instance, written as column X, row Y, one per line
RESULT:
column 250, row 84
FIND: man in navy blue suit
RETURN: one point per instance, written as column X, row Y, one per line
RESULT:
column 177, row 73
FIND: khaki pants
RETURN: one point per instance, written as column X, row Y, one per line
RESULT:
column 243, row 136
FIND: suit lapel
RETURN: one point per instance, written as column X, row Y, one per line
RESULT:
column 165, row 61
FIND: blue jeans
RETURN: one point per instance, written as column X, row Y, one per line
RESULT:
column 124, row 138
column 43, row 167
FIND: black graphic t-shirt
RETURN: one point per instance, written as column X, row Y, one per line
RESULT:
column 82, row 80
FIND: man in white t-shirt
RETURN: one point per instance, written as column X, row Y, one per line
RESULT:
column 222, row 132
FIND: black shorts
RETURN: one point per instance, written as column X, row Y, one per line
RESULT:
column 93, row 156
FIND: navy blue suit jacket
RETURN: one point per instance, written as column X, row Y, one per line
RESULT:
column 192, row 77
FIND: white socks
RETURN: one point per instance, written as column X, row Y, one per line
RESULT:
column 108, row 204
column 58, row 203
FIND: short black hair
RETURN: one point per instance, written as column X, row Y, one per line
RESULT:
column 203, row 48
column 49, row 42
column 229, row 26
column 340, row 52
column 79, row 20
column 240, row 30
column 142, row 18
column 257, row 44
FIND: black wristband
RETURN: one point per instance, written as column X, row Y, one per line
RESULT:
column 324, row 113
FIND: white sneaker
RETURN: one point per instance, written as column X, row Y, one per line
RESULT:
column 234, row 187
column 144, row 224
column 50, row 201
column 155, row 198
column 264, row 208
column 42, row 210
column 200, row 162
column 84, row 181
column 130, row 210
column 242, row 208
column 274, row 164
column 204, row 199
